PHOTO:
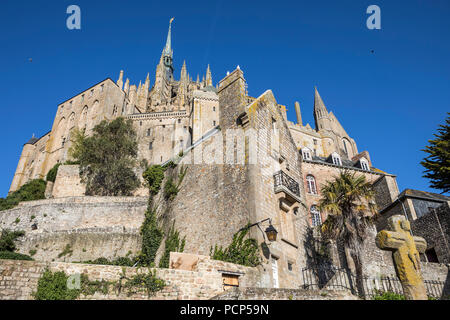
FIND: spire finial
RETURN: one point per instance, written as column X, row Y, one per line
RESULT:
column 168, row 47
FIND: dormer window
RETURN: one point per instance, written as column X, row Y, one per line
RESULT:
column 306, row 153
column 364, row 164
column 336, row 159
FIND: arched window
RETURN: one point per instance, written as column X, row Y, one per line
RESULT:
column 71, row 120
column 311, row 184
column 316, row 219
column 83, row 118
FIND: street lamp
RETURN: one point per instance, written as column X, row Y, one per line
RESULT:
column 271, row 232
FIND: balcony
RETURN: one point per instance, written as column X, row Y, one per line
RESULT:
column 284, row 183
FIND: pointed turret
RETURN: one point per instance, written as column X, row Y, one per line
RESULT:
column 120, row 81
column 126, row 88
column 298, row 112
column 208, row 77
column 183, row 76
column 320, row 112
column 318, row 103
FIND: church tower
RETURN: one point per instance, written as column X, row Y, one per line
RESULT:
column 164, row 74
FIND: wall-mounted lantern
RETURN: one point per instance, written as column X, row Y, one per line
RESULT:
column 270, row 233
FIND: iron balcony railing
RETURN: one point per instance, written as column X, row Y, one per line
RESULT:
column 282, row 180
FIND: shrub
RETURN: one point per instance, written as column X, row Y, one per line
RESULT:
column 53, row 286
column 121, row 261
column 51, row 175
column 172, row 244
column 33, row 190
column 67, row 251
column 153, row 177
column 240, row 251
column 8, row 238
column 8, row 255
column 170, row 189
column 151, row 237
column 107, row 158
column 387, row 295
column 148, row 281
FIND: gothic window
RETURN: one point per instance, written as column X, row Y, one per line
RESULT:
column 91, row 93
column 71, row 120
column 179, row 120
column 114, row 110
column 214, row 108
column 83, row 118
column 306, row 153
column 311, row 184
column 148, row 132
column 102, row 87
column 94, row 110
column 345, row 146
column 316, row 220
column 82, row 98
column 150, row 146
column 336, row 159
column 214, row 123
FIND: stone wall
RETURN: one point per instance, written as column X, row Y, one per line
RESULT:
column 92, row 227
column 18, row 279
column 68, row 182
column 283, row 294
column 435, row 228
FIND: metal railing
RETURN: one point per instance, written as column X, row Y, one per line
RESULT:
column 334, row 278
column 281, row 179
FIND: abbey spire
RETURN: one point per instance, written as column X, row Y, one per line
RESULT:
column 167, row 54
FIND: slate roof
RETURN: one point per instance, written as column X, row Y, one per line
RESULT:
column 424, row 195
column 33, row 140
column 345, row 163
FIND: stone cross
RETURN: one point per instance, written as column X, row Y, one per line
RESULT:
column 406, row 250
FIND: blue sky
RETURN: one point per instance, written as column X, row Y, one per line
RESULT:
column 390, row 101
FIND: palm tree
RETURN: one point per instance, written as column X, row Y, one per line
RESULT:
column 349, row 202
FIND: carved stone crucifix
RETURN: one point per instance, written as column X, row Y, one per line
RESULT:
column 406, row 250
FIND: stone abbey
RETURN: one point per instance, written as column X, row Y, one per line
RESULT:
column 216, row 199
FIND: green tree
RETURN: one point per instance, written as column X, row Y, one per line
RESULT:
column 107, row 158
column 349, row 202
column 437, row 163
